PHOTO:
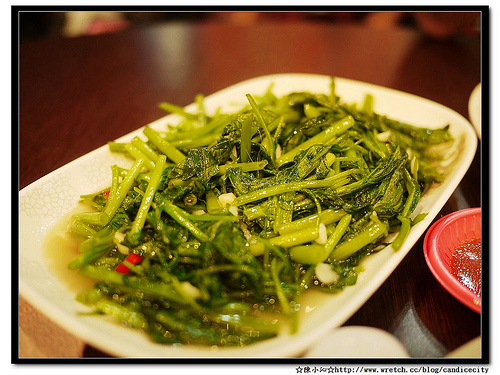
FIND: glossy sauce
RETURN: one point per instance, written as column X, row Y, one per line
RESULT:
column 465, row 265
column 60, row 247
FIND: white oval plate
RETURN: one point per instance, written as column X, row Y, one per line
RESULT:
column 358, row 341
column 43, row 204
column 475, row 108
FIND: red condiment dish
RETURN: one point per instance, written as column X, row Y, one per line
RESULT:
column 441, row 241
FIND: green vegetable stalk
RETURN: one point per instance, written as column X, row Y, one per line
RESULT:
column 225, row 220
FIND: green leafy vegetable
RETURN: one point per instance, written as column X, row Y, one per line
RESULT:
column 227, row 216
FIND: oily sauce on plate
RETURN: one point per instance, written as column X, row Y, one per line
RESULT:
column 465, row 265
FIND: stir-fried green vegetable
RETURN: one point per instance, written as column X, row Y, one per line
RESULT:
column 220, row 223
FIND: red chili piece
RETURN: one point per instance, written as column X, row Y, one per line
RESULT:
column 132, row 259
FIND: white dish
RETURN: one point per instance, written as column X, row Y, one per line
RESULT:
column 43, row 204
column 471, row 349
column 358, row 342
column 475, row 108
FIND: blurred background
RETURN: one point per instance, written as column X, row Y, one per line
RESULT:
column 440, row 25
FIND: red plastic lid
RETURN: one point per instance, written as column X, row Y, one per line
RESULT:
column 441, row 240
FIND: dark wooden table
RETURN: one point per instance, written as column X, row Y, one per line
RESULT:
column 78, row 93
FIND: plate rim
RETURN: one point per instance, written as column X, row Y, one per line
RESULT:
column 474, row 115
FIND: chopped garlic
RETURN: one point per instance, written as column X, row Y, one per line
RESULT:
column 233, row 210
column 278, row 151
column 118, row 239
column 325, row 273
column 225, row 199
column 191, row 290
column 384, row 136
column 323, row 235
